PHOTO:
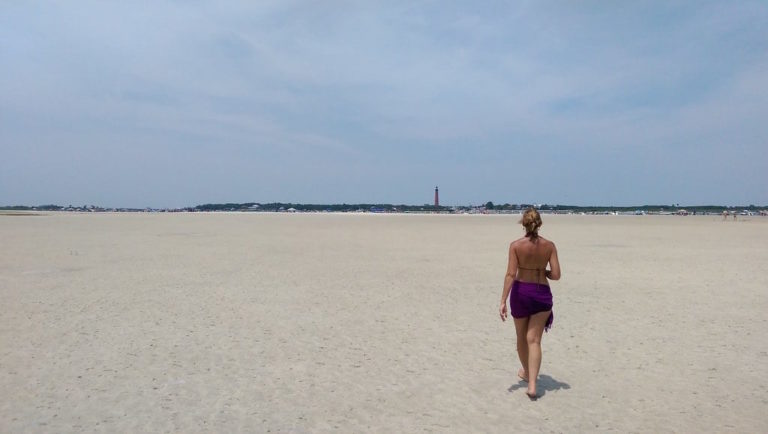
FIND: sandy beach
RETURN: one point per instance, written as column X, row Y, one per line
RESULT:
column 250, row 322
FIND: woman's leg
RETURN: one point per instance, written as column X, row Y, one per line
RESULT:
column 521, row 328
column 536, row 325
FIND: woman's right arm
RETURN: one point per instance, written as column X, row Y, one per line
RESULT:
column 554, row 265
column 508, row 279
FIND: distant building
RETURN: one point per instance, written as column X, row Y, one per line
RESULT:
column 437, row 197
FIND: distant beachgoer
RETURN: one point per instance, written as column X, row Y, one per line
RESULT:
column 725, row 215
column 734, row 216
column 530, row 299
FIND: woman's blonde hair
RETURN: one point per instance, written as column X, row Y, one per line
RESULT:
column 531, row 221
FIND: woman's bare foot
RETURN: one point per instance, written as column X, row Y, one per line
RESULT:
column 532, row 395
column 522, row 374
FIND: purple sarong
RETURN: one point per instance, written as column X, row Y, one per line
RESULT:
column 526, row 299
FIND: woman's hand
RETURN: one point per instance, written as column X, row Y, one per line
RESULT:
column 503, row 311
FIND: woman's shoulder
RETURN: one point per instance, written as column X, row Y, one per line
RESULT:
column 517, row 242
column 547, row 243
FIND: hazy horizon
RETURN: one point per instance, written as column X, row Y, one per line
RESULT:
column 481, row 203
column 177, row 104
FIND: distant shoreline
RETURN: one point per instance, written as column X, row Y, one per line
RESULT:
column 488, row 208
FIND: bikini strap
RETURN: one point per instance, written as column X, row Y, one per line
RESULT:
column 525, row 268
column 538, row 274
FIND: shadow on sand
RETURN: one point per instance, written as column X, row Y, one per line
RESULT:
column 543, row 385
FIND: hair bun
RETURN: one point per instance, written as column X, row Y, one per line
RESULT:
column 532, row 222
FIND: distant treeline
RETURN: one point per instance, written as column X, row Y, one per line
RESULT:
column 384, row 207
column 343, row 207
column 32, row 208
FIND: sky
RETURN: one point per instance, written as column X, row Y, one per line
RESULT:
column 179, row 103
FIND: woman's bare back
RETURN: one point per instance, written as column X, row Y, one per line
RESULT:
column 533, row 255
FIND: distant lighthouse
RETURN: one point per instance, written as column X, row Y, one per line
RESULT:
column 437, row 197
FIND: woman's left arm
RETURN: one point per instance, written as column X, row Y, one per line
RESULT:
column 508, row 279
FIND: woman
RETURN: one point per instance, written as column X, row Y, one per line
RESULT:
column 530, row 300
